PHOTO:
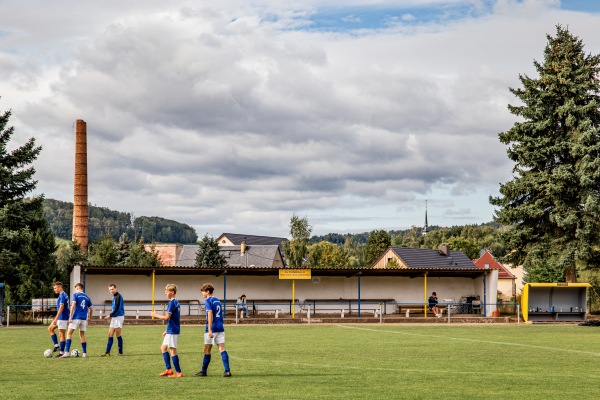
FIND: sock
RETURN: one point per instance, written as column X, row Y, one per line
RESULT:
column 84, row 347
column 225, row 358
column 120, row 343
column 68, row 346
column 176, row 363
column 167, row 359
column 205, row 362
column 54, row 339
column 62, row 347
column 109, row 345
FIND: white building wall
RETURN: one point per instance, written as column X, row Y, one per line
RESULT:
column 401, row 289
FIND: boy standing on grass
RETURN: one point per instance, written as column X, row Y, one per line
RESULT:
column 116, row 320
column 81, row 311
column 171, row 335
column 61, row 320
column 215, row 331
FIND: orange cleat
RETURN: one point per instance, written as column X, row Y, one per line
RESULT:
column 177, row 375
column 167, row 372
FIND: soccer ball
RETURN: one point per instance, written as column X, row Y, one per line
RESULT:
column 48, row 353
column 74, row 353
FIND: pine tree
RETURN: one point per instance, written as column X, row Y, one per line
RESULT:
column 208, row 254
column 26, row 243
column 553, row 202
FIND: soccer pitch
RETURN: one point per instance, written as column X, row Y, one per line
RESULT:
column 366, row 361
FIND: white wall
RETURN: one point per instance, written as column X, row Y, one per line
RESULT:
column 401, row 289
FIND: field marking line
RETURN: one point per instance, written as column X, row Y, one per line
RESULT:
column 472, row 340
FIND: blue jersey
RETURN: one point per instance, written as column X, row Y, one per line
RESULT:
column 82, row 305
column 214, row 305
column 118, row 306
column 63, row 298
column 173, row 325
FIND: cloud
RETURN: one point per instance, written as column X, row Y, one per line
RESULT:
column 232, row 118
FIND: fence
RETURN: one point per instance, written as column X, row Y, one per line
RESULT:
column 36, row 313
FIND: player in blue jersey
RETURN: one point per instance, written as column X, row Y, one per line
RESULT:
column 81, row 312
column 116, row 320
column 215, row 330
column 171, row 335
column 61, row 320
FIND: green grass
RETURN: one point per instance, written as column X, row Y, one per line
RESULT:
column 365, row 361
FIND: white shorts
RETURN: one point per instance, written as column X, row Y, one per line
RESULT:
column 80, row 324
column 62, row 324
column 218, row 338
column 170, row 340
column 117, row 322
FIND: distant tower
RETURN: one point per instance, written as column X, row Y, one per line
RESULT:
column 426, row 226
column 80, row 203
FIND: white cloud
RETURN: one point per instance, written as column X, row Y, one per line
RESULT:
column 231, row 118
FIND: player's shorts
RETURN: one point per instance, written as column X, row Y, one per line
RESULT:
column 62, row 324
column 80, row 324
column 117, row 322
column 170, row 340
column 218, row 338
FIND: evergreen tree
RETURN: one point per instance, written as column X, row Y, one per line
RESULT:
column 122, row 248
column 26, row 244
column 139, row 256
column 208, row 254
column 553, row 202
column 295, row 250
column 378, row 242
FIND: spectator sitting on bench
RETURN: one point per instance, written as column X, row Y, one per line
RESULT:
column 240, row 304
column 433, row 305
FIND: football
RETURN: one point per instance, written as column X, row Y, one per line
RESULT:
column 74, row 353
column 48, row 353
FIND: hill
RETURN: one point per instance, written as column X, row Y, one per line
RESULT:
column 103, row 222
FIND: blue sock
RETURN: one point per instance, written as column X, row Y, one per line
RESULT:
column 205, row 362
column 167, row 359
column 120, row 343
column 176, row 363
column 54, row 339
column 62, row 347
column 84, row 347
column 109, row 345
column 68, row 347
column 225, row 358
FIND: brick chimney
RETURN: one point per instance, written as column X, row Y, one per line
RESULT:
column 80, row 203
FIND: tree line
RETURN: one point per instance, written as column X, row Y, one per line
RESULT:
column 104, row 222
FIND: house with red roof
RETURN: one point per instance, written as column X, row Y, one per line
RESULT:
column 507, row 282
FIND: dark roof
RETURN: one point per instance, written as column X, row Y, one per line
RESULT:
column 238, row 238
column 256, row 256
column 273, row 271
column 427, row 258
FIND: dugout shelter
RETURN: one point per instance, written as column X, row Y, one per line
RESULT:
column 554, row 302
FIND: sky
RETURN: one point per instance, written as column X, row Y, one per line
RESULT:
column 233, row 116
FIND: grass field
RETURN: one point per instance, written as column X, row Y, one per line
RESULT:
column 414, row 361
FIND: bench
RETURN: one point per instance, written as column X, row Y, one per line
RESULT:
column 344, row 306
column 416, row 309
column 275, row 306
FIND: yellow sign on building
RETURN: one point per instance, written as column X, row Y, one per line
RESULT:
column 294, row 274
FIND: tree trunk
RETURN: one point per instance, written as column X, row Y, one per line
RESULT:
column 571, row 275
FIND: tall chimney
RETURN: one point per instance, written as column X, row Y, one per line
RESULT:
column 80, row 203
